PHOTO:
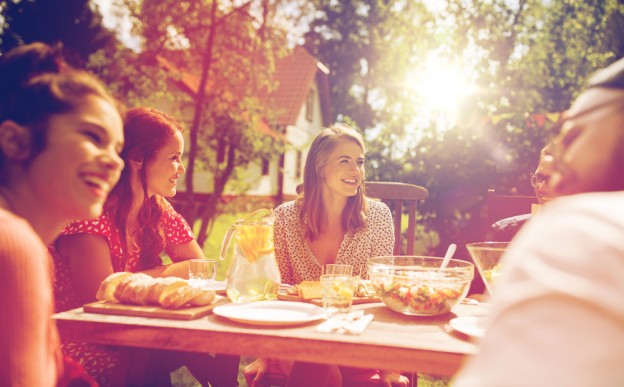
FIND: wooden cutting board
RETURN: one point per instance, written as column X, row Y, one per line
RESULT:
column 190, row 313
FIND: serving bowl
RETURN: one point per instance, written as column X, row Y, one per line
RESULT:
column 415, row 285
column 486, row 257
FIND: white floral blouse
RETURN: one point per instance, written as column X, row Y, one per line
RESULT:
column 297, row 262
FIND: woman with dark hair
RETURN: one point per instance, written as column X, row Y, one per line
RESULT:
column 138, row 222
column 137, row 225
column 331, row 222
column 60, row 135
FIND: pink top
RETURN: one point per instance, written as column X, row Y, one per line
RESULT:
column 295, row 258
column 29, row 343
column 177, row 231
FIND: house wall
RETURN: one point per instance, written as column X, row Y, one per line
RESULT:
column 299, row 138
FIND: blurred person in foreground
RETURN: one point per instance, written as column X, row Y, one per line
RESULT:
column 505, row 229
column 558, row 315
column 60, row 138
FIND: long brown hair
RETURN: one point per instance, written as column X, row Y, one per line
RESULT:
column 311, row 201
column 35, row 84
column 146, row 131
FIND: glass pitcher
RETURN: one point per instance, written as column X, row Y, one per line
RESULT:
column 253, row 273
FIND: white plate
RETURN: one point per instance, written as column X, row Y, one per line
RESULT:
column 470, row 325
column 273, row 313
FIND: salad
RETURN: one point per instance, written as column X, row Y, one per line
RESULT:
column 418, row 299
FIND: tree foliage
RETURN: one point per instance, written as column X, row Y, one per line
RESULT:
column 229, row 50
column 74, row 23
column 527, row 57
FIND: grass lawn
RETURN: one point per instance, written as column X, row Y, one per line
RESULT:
column 212, row 249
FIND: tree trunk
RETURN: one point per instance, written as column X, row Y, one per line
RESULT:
column 190, row 208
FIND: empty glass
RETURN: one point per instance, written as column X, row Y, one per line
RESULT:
column 334, row 268
column 202, row 273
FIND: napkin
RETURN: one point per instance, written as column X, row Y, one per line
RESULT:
column 353, row 323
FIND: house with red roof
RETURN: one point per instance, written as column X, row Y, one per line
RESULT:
column 302, row 105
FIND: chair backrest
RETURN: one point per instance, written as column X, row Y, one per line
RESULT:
column 504, row 206
column 395, row 194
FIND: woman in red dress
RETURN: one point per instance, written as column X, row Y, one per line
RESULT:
column 138, row 224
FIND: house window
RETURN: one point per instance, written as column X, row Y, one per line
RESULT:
column 298, row 162
column 309, row 105
column 265, row 167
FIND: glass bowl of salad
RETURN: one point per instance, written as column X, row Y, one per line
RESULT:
column 416, row 285
column 486, row 257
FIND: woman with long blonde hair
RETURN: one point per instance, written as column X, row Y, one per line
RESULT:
column 331, row 222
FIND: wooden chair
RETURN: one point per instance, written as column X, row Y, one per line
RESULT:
column 395, row 195
column 504, row 206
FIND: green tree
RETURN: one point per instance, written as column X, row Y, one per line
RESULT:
column 229, row 51
column 75, row 23
column 361, row 42
column 528, row 57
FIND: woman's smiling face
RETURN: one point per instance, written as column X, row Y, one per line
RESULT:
column 344, row 171
column 80, row 163
column 165, row 169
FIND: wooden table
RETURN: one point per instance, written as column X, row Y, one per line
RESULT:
column 391, row 341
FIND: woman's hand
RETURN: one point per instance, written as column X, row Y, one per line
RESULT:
column 177, row 269
column 392, row 378
column 257, row 367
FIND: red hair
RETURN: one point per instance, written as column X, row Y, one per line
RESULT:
column 146, row 131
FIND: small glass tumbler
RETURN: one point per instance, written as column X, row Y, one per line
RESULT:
column 334, row 268
column 202, row 273
column 337, row 293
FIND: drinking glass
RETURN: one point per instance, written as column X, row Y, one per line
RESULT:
column 487, row 256
column 334, row 268
column 202, row 273
column 337, row 293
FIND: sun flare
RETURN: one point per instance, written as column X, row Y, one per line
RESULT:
column 441, row 87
